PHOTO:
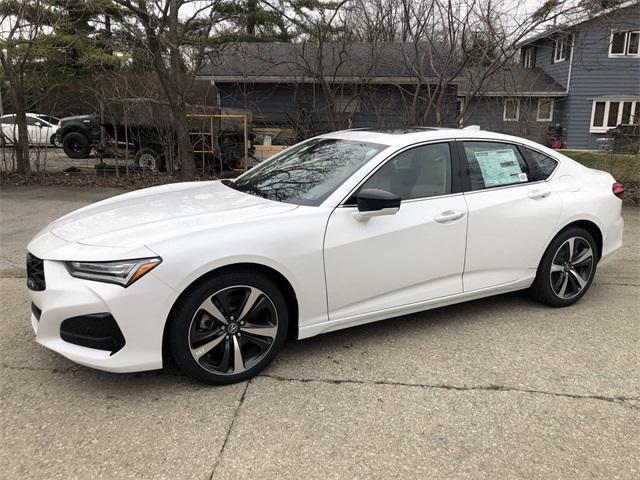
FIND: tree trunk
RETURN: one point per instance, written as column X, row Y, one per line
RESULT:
column 21, row 146
column 185, row 147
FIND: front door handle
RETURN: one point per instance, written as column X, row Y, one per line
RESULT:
column 538, row 194
column 449, row 216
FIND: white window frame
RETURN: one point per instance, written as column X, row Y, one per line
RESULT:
column 462, row 101
column 559, row 53
column 504, row 109
column 635, row 111
column 527, row 57
column 625, row 49
column 551, row 106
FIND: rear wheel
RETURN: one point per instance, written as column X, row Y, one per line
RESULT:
column 566, row 269
column 229, row 328
column 149, row 158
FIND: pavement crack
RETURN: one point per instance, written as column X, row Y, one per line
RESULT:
column 621, row 400
column 226, row 438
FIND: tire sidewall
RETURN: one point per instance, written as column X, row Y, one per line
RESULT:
column 544, row 270
column 71, row 136
column 181, row 322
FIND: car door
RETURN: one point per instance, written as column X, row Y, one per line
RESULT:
column 511, row 214
column 414, row 255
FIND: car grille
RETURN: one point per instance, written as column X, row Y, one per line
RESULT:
column 35, row 273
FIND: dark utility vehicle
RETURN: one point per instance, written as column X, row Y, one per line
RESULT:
column 78, row 135
column 145, row 127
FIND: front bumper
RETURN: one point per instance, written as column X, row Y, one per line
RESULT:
column 140, row 311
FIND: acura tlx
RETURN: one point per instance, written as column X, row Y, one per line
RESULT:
column 339, row 230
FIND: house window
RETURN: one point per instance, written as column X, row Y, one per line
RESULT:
column 545, row 110
column 609, row 114
column 560, row 48
column 527, row 58
column 624, row 43
column 511, row 110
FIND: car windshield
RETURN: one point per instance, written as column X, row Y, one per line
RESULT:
column 48, row 119
column 308, row 173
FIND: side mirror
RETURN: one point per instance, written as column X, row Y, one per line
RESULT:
column 373, row 202
column 38, row 124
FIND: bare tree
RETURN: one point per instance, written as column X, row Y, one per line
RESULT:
column 22, row 24
column 173, row 36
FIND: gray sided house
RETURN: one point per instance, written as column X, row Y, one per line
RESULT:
column 597, row 64
column 313, row 88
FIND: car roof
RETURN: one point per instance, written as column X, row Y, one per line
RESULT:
column 408, row 136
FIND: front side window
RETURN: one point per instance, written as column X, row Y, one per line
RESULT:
column 306, row 174
column 606, row 114
column 511, row 110
column 540, row 165
column 624, row 43
column 493, row 164
column 420, row 172
column 560, row 49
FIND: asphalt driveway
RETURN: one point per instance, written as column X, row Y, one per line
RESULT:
column 496, row 388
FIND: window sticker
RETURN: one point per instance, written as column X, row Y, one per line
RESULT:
column 500, row 167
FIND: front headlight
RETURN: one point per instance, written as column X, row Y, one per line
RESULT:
column 122, row 272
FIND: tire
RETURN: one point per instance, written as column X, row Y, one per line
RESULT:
column 149, row 158
column 563, row 278
column 76, row 145
column 204, row 345
column 54, row 141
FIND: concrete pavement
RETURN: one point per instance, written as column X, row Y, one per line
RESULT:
column 495, row 388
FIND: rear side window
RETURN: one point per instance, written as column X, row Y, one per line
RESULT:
column 493, row 164
column 540, row 165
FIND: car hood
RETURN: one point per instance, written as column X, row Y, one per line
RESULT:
column 145, row 216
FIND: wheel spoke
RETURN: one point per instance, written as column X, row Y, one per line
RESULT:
column 251, row 300
column 581, row 281
column 206, row 348
column 565, row 282
column 583, row 257
column 213, row 311
column 571, row 244
column 556, row 268
column 268, row 331
column 238, row 363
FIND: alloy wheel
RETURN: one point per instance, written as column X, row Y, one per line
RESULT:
column 233, row 330
column 571, row 268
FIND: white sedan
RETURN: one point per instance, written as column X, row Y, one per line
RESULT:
column 342, row 229
column 40, row 128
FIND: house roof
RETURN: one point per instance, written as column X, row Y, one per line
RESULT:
column 510, row 80
column 397, row 63
column 567, row 26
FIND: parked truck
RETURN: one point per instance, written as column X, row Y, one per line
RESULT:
column 143, row 127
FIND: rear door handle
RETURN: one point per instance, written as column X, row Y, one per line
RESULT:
column 449, row 216
column 537, row 194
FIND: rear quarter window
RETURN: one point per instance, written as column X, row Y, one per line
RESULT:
column 541, row 166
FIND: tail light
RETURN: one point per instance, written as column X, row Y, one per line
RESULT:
column 618, row 189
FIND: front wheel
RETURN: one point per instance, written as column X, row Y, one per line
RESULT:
column 229, row 328
column 567, row 268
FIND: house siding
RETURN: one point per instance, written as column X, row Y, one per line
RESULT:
column 303, row 106
column 488, row 113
